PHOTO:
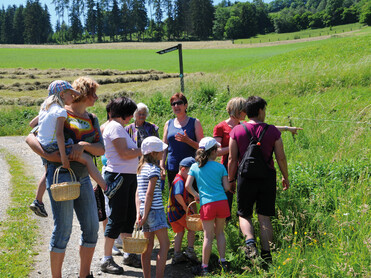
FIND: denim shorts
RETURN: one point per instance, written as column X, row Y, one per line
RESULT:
column 156, row 220
column 49, row 148
column 84, row 206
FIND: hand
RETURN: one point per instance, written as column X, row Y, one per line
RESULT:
column 76, row 151
column 233, row 187
column 197, row 198
column 163, row 173
column 182, row 137
column 137, row 223
column 285, row 184
column 293, row 129
column 65, row 163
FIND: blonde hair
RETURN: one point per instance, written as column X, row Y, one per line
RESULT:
column 202, row 156
column 236, row 105
column 86, row 86
column 55, row 98
column 147, row 158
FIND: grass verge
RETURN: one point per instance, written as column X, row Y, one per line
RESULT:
column 18, row 230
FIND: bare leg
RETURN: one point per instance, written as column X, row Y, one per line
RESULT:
column 93, row 170
column 56, row 262
column 163, row 238
column 208, row 226
column 220, row 237
column 178, row 241
column 247, row 228
column 86, row 256
column 108, row 244
column 41, row 188
column 266, row 231
column 146, row 256
column 191, row 236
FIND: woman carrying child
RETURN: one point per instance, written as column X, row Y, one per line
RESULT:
column 212, row 181
column 150, row 210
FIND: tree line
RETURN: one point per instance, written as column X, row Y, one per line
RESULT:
column 166, row 20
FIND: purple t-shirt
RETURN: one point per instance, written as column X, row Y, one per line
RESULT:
column 272, row 134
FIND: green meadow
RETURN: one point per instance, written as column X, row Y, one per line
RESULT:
column 322, row 223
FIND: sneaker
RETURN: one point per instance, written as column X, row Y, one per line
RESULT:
column 178, row 258
column 113, row 187
column 225, row 265
column 200, row 271
column 38, row 208
column 116, row 251
column 118, row 242
column 251, row 251
column 111, row 267
column 190, row 253
column 132, row 260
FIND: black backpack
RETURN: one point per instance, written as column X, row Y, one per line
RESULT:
column 253, row 165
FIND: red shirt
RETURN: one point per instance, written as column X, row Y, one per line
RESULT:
column 222, row 130
column 272, row 134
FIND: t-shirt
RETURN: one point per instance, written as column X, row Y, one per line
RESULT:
column 139, row 133
column 115, row 163
column 178, row 150
column 272, row 134
column 209, row 181
column 47, row 123
column 222, row 130
column 147, row 172
column 174, row 210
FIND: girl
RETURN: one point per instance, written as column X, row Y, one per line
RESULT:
column 150, row 210
column 51, row 120
column 212, row 182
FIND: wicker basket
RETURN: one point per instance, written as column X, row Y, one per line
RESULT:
column 65, row 191
column 135, row 244
column 194, row 222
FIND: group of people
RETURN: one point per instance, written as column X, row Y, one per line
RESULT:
column 136, row 161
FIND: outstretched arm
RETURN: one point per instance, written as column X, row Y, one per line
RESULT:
column 292, row 129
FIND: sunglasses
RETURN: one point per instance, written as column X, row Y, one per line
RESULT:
column 179, row 102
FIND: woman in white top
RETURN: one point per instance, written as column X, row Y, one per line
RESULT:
column 122, row 161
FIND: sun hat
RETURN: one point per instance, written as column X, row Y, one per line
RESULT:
column 187, row 162
column 58, row 86
column 207, row 143
column 152, row 144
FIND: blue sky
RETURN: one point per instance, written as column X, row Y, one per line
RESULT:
column 51, row 6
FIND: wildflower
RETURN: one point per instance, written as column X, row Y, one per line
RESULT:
column 345, row 214
column 296, row 233
column 324, row 233
column 305, row 233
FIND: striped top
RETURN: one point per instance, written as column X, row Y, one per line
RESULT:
column 149, row 171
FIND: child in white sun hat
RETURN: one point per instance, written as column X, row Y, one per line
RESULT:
column 212, row 182
column 150, row 209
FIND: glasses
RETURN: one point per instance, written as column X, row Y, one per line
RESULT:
column 179, row 102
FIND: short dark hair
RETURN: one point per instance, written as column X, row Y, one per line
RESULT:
column 179, row 96
column 253, row 105
column 122, row 107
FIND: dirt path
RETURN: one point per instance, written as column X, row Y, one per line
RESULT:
column 17, row 146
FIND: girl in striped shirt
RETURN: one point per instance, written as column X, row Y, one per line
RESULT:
column 150, row 209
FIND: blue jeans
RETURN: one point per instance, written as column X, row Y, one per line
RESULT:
column 156, row 220
column 49, row 148
column 85, row 207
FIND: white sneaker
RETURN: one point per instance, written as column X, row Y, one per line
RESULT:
column 118, row 242
column 116, row 251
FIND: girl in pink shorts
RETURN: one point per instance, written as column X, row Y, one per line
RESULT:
column 212, row 182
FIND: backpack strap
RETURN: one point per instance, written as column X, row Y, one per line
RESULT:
column 263, row 132
column 247, row 132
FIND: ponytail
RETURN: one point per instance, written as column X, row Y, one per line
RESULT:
column 202, row 156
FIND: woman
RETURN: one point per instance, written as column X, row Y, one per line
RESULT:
column 83, row 128
column 182, row 134
column 236, row 108
column 122, row 160
column 140, row 129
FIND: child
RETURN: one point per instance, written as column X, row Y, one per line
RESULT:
column 176, row 211
column 150, row 210
column 51, row 120
column 212, row 182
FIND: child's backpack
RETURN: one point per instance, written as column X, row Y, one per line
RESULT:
column 253, row 165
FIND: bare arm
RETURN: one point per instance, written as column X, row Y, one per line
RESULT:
column 124, row 151
column 180, row 200
column 221, row 151
column 34, row 144
column 34, row 121
column 232, row 163
column 60, row 142
column 190, row 189
column 292, row 129
column 149, row 198
column 282, row 163
column 164, row 155
column 226, row 184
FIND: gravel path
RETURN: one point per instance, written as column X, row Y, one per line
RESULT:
column 17, row 146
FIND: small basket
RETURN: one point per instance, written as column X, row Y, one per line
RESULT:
column 65, row 191
column 194, row 222
column 135, row 244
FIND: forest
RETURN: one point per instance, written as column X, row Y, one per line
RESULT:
column 91, row 21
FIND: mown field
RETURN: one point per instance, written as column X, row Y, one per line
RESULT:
column 322, row 227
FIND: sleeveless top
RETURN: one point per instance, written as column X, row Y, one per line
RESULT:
column 179, row 150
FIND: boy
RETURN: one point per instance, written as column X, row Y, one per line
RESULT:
column 176, row 211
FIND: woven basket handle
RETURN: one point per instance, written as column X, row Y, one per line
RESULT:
column 136, row 231
column 56, row 175
column 189, row 206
